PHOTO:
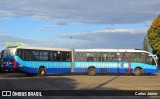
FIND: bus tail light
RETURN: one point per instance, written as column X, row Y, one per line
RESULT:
column 14, row 63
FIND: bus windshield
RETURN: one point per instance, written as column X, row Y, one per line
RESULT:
column 150, row 60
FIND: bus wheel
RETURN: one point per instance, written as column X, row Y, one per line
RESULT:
column 41, row 71
column 138, row 72
column 92, row 71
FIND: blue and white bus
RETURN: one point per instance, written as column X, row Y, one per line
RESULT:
column 45, row 60
column 9, row 62
column 130, row 61
column 38, row 60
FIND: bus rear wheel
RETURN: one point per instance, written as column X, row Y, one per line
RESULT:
column 41, row 71
column 138, row 72
column 92, row 71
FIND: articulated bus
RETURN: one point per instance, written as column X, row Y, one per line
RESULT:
column 45, row 60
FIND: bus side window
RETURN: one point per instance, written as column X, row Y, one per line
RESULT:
column 40, row 55
column 19, row 53
column 81, row 56
column 58, row 56
column 55, row 56
column 66, row 56
column 99, row 57
column 91, row 57
column 50, row 58
column 27, row 55
column 45, row 55
column 113, row 57
column 105, row 57
column 35, row 55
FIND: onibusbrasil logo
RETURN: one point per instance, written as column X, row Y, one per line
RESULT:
column 21, row 93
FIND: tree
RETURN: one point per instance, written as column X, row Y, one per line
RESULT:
column 154, row 36
column 146, row 44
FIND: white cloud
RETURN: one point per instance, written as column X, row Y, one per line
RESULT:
column 132, row 31
column 49, row 25
column 116, row 38
column 107, row 31
column 46, row 26
column 10, row 38
column 40, row 29
column 34, row 17
column 83, row 11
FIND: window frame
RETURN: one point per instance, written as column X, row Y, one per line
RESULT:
column 56, row 55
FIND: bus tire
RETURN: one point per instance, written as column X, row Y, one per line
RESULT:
column 41, row 71
column 91, row 71
column 138, row 72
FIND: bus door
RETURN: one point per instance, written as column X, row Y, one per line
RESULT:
column 114, row 63
column 125, row 64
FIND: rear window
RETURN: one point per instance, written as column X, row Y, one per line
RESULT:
column 9, row 51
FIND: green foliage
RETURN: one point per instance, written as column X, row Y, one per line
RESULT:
column 146, row 44
column 154, row 35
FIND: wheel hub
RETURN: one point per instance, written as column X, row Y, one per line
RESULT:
column 42, row 72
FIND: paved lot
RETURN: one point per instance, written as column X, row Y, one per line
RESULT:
column 18, row 81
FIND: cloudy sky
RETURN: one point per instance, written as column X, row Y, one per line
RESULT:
column 90, row 23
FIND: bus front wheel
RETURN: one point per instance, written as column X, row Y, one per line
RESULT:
column 92, row 71
column 41, row 71
column 138, row 72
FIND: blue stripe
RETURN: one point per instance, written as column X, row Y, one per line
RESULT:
column 115, row 67
column 150, row 71
column 65, row 67
column 48, row 70
column 105, row 70
column 28, row 69
column 115, row 70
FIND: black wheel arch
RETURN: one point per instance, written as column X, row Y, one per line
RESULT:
column 91, row 67
column 40, row 68
column 139, row 68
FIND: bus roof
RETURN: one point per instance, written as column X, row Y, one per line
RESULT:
column 109, row 50
column 78, row 50
column 40, row 48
